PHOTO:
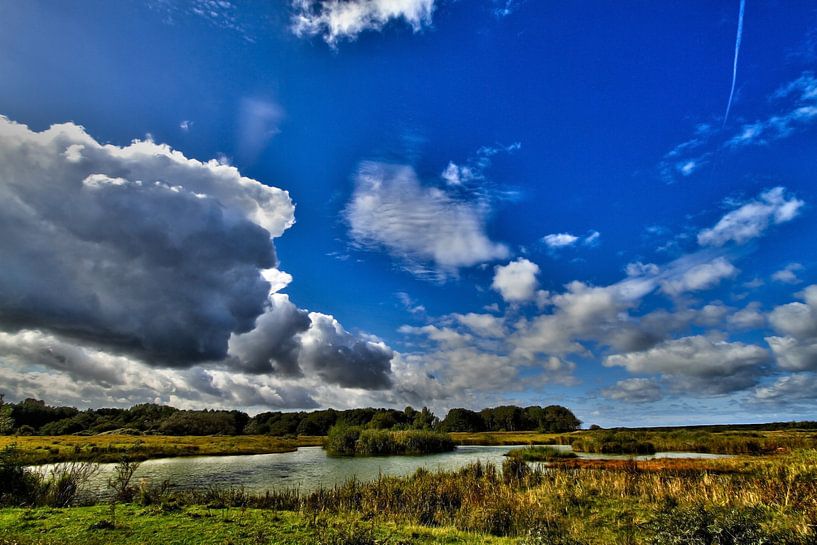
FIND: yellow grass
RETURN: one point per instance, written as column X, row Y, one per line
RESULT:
column 111, row 448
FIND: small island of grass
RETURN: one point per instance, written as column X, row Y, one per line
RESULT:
column 540, row 454
column 614, row 443
column 356, row 441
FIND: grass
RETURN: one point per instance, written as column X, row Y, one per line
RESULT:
column 540, row 454
column 198, row 525
column 111, row 448
column 744, row 500
column 723, row 441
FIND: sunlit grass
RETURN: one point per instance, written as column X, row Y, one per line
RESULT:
column 111, row 448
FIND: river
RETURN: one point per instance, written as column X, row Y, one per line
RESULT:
column 309, row 468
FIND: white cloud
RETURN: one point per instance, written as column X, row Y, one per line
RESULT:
column 556, row 241
column 799, row 110
column 516, row 282
column 698, row 364
column 790, row 389
column 788, row 274
column 458, row 175
column 796, row 349
column 390, row 209
column 751, row 220
column 560, row 240
column 336, row 20
column 699, row 277
column 486, row 325
column 748, row 317
column 634, row 390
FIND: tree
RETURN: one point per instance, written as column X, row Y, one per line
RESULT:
column 559, row 419
column 424, row 420
column 6, row 421
column 462, row 420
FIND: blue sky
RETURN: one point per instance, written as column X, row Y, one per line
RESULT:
column 493, row 201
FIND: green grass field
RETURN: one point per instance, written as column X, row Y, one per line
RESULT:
column 197, row 525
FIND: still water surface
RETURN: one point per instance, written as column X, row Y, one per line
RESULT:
column 309, row 468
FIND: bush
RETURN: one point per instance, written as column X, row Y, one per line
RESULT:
column 19, row 486
column 342, row 440
column 354, row 441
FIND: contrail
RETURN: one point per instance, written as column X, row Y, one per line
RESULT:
column 735, row 63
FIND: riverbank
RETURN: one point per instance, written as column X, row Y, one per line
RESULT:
column 112, row 448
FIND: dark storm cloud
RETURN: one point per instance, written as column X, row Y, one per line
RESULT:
column 274, row 344
column 121, row 256
column 127, row 248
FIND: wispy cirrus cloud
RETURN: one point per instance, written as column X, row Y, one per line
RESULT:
column 795, row 109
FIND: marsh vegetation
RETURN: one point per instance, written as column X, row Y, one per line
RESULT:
column 734, row 501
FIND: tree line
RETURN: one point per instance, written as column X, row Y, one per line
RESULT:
column 35, row 417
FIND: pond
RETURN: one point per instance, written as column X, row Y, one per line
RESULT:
column 309, row 468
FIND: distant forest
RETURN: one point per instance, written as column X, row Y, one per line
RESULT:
column 35, row 417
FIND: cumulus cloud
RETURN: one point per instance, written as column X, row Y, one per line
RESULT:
column 341, row 358
column 748, row 317
column 753, row 218
column 335, row 20
column 516, row 282
column 634, row 390
column 138, row 248
column 699, row 277
column 118, row 258
column 698, row 364
column 486, row 325
column 788, row 274
column 391, row 209
column 796, row 348
column 790, row 389
column 45, row 366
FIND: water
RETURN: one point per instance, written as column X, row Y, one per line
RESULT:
column 309, row 468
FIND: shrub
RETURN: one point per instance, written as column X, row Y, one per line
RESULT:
column 354, row 441
column 19, row 486
column 341, row 441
